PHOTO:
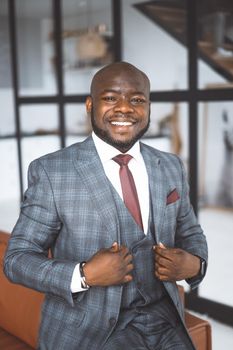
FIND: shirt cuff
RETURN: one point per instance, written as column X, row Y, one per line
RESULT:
column 76, row 282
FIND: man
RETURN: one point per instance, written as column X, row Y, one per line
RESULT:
column 110, row 283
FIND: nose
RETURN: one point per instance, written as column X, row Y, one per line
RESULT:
column 124, row 106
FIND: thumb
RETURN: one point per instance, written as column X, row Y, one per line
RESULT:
column 115, row 247
column 161, row 245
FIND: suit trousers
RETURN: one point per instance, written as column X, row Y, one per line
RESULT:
column 155, row 327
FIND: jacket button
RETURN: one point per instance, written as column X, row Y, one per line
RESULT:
column 112, row 321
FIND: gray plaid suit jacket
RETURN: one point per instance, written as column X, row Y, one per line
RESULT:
column 68, row 208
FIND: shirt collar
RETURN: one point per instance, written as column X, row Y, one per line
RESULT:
column 106, row 152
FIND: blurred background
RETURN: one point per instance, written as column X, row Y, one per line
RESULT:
column 49, row 51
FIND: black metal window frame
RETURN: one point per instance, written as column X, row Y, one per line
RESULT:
column 192, row 96
column 60, row 99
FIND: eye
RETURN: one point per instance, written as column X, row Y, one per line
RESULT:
column 109, row 98
column 138, row 100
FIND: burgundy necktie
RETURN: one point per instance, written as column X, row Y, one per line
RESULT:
column 129, row 191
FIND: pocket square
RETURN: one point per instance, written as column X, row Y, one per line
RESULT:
column 173, row 196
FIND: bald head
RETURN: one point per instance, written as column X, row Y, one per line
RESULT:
column 125, row 70
column 119, row 105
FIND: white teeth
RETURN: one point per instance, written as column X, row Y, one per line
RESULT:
column 121, row 123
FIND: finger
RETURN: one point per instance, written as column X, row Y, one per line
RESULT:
column 128, row 258
column 166, row 253
column 129, row 268
column 124, row 251
column 163, row 263
column 161, row 277
column 127, row 278
column 166, row 274
column 159, row 250
column 162, row 271
column 159, row 266
column 162, row 245
column 164, row 260
column 115, row 247
column 167, row 278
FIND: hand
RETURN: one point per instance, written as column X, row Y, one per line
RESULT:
column 109, row 266
column 174, row 264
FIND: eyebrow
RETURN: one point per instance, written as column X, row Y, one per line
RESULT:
column 118, row 92
column 110, row 90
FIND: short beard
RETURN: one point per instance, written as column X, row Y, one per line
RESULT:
column 120, row 145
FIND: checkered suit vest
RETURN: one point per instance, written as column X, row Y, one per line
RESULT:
column 145, row 288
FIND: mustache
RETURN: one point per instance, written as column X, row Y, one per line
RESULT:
column 122, row 117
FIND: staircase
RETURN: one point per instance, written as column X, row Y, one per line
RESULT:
column 215, row 29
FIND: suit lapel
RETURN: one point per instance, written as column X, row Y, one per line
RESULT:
column 91, row 172
column 157, row 186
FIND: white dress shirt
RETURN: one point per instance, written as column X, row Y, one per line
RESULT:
column 138, row 169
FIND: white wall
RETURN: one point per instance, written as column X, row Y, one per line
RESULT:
column 147, row 46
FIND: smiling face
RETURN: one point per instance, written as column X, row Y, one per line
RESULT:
column 119, row 105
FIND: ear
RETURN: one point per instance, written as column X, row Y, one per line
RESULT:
column 88, row 104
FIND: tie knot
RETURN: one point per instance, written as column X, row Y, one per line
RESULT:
column 122, row 159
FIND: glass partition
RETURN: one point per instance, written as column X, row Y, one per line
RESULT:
column 169, row 129
column 216, row 196
column 35, row 47
column 39, row 119
column 9, row 184
column 78, row 124
column 87, row 39
column 35, row 147
column 7, row 119
column 9, row 174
